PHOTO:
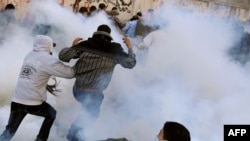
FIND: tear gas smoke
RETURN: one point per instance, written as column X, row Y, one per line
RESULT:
column 186, row 76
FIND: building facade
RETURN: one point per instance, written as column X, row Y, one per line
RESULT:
column 127, row 8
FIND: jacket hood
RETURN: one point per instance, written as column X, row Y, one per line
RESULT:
column 43, row 43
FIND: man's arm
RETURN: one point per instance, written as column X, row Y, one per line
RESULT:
column 67, row 54
column 128, row 60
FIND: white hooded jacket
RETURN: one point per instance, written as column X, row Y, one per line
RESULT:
column 38, row 67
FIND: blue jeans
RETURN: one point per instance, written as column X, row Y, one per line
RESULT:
column 91, row 103
column 19, row 111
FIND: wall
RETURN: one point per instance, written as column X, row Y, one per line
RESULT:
column 127, row 8
column 124, row 6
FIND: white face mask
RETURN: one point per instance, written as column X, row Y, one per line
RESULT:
column 51, row 48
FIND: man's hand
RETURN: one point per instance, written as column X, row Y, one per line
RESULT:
column 127, row 41
column 76, row 41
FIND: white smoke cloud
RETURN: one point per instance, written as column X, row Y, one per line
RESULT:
column 186, row 77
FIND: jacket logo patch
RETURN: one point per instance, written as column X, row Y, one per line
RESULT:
column 27, row 71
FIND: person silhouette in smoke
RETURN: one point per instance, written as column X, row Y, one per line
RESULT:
column 7, row 20
column 144, row 24
column 92, row 11
column 130, row 27
column 82, row 14
column 97, row 58
column 174, row 131
column 240, row 51
column 30, row 94
column 113, row 15
column 102, row 7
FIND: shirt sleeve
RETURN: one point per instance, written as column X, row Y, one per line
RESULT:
column 125, row 28
column 67, row 54
column 127, row 60
column 59, row 69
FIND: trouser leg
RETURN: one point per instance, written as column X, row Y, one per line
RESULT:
column 49, row 113
column 91, row 103
column 17, row 114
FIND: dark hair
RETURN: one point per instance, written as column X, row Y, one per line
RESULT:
column 104, row 28
column 83, row 9
column 9, row 7
column 114, row 8
column 173, row 131
column 92, row 8
column 102, row 6
column 135, row 17
column 139, row 14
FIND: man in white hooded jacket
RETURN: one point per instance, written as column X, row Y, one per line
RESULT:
column 30, row 94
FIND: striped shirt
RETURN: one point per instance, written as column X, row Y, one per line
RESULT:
column 92, row 70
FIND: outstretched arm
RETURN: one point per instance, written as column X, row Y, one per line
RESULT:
column 67, row 54
column 128, row 60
